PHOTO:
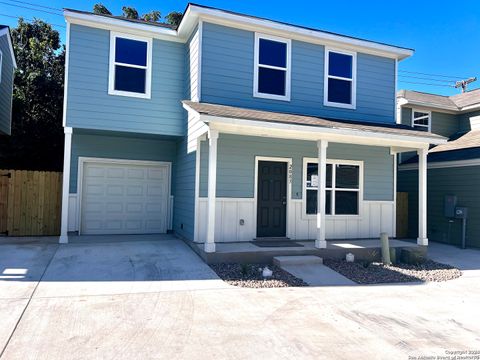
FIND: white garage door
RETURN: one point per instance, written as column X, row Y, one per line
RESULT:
column 125, row 198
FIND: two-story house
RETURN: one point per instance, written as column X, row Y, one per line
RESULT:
column 453, row 168
column 7, row 70
column 231, row 128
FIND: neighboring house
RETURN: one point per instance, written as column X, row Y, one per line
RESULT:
column 453, row 168
column 7, row 68
column 216, row 130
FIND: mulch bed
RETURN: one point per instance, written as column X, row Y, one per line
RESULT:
column 377, row 273
column 250, row 276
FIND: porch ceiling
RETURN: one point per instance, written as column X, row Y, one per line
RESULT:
column 235, row 119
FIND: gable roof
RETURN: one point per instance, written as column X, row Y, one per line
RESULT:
column 223, row 111
column 5, row 31
column 194, row 12
column 457, row 103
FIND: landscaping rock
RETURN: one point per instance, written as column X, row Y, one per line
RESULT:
column 250, row 275
column 377, row 273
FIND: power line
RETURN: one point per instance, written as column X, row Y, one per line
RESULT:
column 424, row 78
column 421, row 83
column 18, row 17
column 29, row 8
column 37, row 5
column 438, row 75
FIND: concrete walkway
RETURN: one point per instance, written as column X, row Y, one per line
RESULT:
column 156, row 299
column 318, row 275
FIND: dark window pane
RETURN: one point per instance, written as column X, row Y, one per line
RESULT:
column 421, row 121
column 329, row 176
column 312, row 202
column 418, row 114
column 271, row 81
column 340, row 91
column 131, row 52
column 346, row 203
column 273, row 53
column 130, row 79
column 347, row 176
column 340, row 65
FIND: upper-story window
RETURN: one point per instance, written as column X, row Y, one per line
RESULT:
column 272, row 67
column 130, row 65
column 421, row 120
column 340, row 78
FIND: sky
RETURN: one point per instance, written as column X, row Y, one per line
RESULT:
column 444, row 34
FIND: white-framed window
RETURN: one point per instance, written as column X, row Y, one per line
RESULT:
column 344, row 187
column 421, row 120
column 272, row 67
column 340, row 80
column 130, row 65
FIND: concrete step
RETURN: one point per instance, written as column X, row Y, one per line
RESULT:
column 297, row 260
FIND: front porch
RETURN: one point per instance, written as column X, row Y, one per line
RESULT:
column 248, row 252
column 262, row 174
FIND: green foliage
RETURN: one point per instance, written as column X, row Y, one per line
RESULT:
column 152, row 16
column 244, row 269
column 174, row 18
column 101, row 9
column 129, row 12
column 36, row 142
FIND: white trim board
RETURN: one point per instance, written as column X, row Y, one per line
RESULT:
column 84, row 160
column 428, row 116
column 239, row 21
column 289, row 186
column 442, row 164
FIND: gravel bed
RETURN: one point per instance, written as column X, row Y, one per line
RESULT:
column 250, row 276
column 377, row 273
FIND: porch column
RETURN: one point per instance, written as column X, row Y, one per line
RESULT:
column 322, row 178
column 67, row 153
column 422, row 197
column 212, row 189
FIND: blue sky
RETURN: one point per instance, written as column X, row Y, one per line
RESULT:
column 444, row 34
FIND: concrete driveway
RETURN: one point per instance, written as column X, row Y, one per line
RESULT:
column 155, row 299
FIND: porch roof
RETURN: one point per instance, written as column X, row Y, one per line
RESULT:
column 356, row 127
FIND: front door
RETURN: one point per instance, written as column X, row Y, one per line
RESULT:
column 272, row 199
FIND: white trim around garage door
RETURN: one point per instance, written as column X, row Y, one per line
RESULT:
column 289, row 186
column 84, row 160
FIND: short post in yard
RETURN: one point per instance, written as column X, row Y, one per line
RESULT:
column 385, row 248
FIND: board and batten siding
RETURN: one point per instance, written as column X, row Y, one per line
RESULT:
column 236, row 164
column 90, row 106
column 6, row 87
column 460, row 181
column 228, row 71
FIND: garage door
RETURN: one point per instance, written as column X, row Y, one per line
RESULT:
column 125, row 198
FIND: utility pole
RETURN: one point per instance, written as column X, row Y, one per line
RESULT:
column 463, row 83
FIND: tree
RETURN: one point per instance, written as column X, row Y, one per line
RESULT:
column 37, row 137
column 129, row 12
column 174, row 18
column 152, row 16
column 101, row 9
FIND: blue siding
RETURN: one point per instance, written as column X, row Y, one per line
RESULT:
column 90, row 106
column 460, row 181
column 6, row 87
column 120, row 147
column 184, row 203
column 236, row 164
column 227, row 78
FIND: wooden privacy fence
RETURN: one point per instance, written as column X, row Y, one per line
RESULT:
column 30, row 202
